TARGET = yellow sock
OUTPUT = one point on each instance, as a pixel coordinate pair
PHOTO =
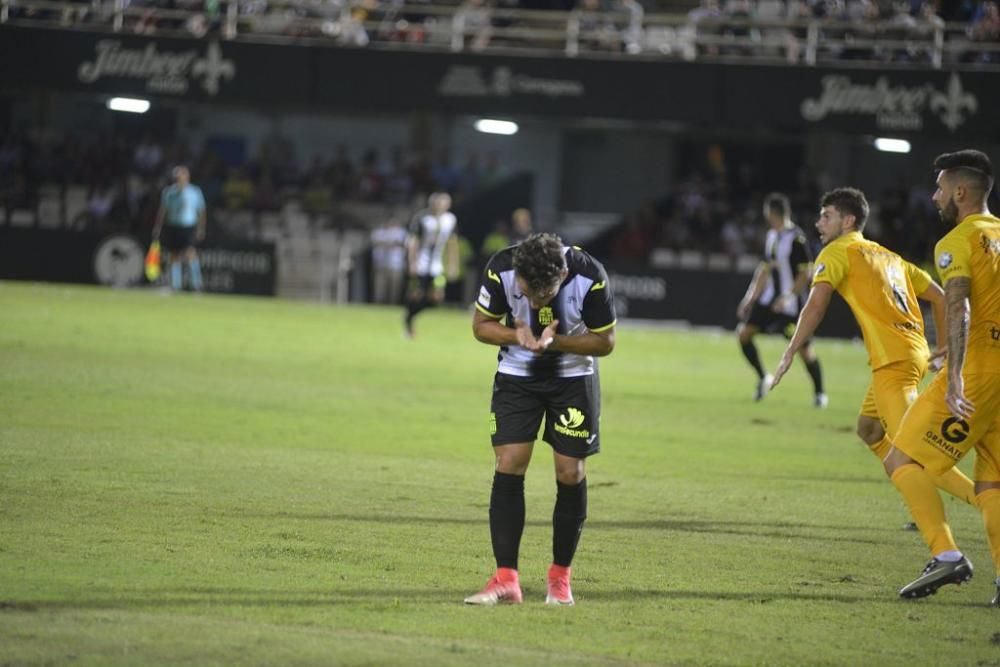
(989, 504)
(881, 448)
(957, 484)
(925, 506)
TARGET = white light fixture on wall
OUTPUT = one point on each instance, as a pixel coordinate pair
(128, 104)
(887, 145)
(493, 126)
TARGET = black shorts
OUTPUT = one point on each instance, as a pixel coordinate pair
(177, 237)
(571, 408)
(768, 321)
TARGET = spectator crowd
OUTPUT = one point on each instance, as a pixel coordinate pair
(849, 29)
(122, 176)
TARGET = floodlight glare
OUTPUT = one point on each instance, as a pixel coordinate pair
(129, 104)
(892, 145)
(492, 126)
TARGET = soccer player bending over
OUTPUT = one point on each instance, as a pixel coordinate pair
(960, 409)
(882, 290)
(549, 309)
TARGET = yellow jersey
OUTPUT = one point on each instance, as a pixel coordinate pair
(972, 250)
(881, 288)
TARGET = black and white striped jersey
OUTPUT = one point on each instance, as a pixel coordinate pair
(584, 303)
(431, 233)
(786, 252)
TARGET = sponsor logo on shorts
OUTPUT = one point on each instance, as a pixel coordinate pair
(569, 422)
(955, 430)
(944, 260)
(545, 316)
(493, 423)
(936, 441)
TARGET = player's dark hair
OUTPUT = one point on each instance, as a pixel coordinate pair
(848, 201)
(539, 260)
(777, 204)
(970, 165)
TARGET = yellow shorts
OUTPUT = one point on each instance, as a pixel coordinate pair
(938, 440)
(892, 389)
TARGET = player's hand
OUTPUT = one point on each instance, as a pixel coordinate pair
(936, 360)
(955, 398)
(783, 366)
(525, 338)
(780, 304)
(547, 337)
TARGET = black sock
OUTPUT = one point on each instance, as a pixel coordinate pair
(412, 308)
(750, 352)
(506, 517)
(816, 373)
(567, 520)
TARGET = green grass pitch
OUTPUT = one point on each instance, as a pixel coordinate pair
(224, 481)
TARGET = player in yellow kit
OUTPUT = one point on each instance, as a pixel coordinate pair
(882, 290)
(960, 409)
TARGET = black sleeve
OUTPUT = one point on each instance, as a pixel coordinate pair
(492, 298)
(416, 230)
(599, 304)
(801, 253)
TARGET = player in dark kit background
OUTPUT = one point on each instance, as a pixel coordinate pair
(774, 297)
(550, 309)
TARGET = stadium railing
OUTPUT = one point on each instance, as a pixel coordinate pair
(611, 34)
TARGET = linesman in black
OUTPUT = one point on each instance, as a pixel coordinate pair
(774, 297)
(549, 309)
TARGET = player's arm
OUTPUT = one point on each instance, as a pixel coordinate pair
(202, 218)
(161, 215)
(488, 329)
(934, 295)
(956, 298)
(451, 247)
(411, 254)
(593, 343)
(758, 283)
(812, 314)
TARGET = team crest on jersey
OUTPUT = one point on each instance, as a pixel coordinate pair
(944, 260)
(545, 316)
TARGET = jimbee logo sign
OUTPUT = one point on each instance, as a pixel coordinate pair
(170, 72)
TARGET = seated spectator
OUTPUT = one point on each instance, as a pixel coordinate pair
(317, 200)
(265, 198)
(237, 190)
(101, 201)
(985, 30)
(595, 29)
(370, 179)
(705, 20)
(148, 156)
(472, 26)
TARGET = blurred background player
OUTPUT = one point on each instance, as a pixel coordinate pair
(431, 234)
(960, 409)
(882, 290)
(181, 219)
(388, 260)
(550, 309)
(774, 297)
